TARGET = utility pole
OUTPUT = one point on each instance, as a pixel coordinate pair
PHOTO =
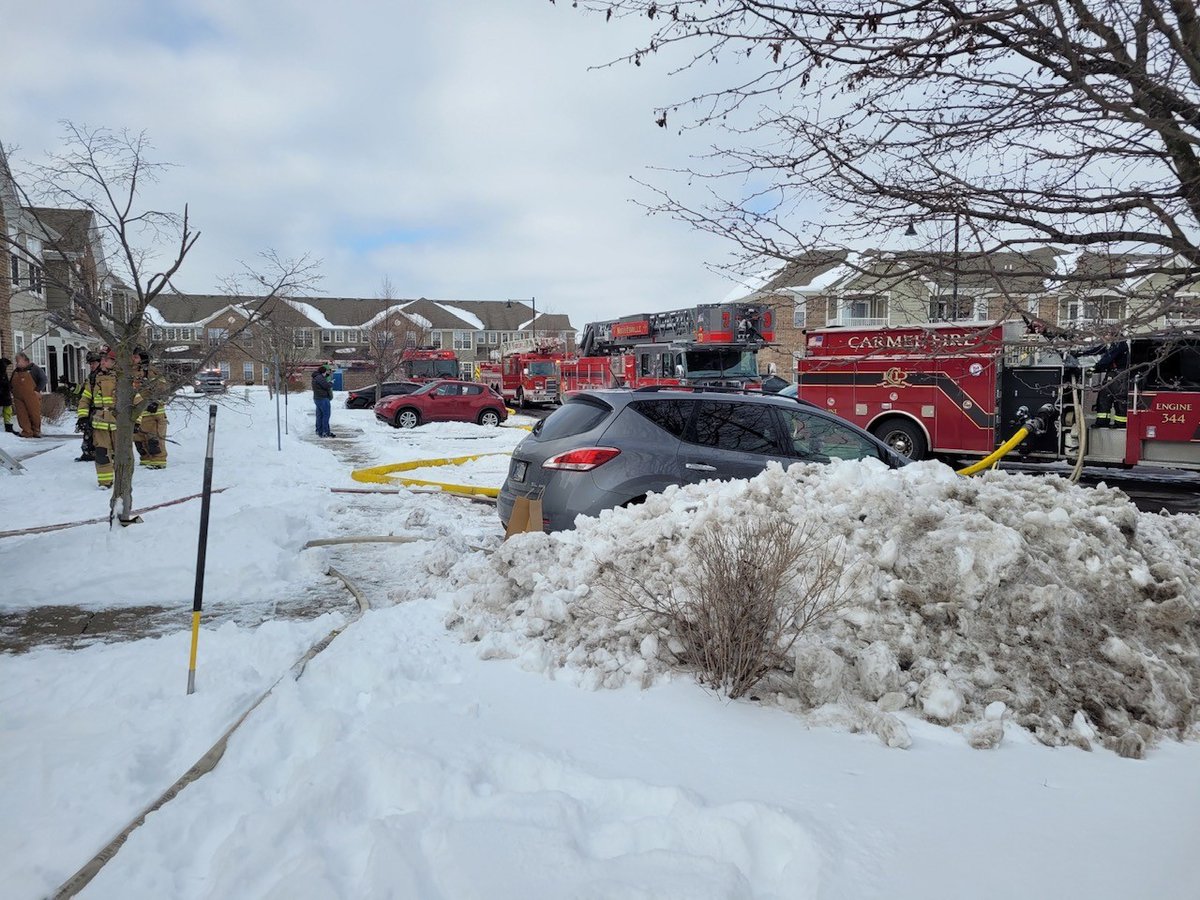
(954, 289)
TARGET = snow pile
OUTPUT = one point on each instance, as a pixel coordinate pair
(1010, 597)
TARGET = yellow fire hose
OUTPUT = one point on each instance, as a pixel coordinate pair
(996, 455)
(383, 475)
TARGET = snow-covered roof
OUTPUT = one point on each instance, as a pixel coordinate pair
(314, 315)
(752, 284)
(470, 318)
(416, 317)
(395, 309)
(828, 279)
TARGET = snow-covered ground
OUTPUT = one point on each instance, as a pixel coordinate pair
(405, 764)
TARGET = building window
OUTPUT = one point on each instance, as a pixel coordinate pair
(266, 370)
(35, 279)
(19, 341)
(217, 336)
(326, 336)
(248, 372)
(1093, 311)
(225, 370)
(462, 340)
(15, 268)
(157, 335)
(339, 337)
(864, 310)
(947, 309)
(480, 338)
(352, 336)
(800, 314)
(302, 337)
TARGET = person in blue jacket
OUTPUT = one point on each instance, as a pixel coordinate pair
(322, 396)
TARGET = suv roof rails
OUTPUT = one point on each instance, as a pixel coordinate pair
(697, 388)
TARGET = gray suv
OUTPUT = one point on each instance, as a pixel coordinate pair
(604, 449)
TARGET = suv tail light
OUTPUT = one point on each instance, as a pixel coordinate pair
(583, 460)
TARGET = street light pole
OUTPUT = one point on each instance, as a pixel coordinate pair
(954, 289)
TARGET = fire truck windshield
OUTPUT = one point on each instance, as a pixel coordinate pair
(433, 368)
(544, 367)
(715, 363)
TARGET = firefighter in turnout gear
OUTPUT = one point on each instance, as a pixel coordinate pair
(150, 435)
(1112, 402)
(98, 403)
(84, 424)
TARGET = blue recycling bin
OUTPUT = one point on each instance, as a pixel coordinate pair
(337, 379)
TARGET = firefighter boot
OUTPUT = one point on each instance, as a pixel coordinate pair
(103, 460)
(154, 435)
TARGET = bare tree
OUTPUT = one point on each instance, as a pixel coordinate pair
(1074, 123)
(104, 172)
(272, 342)
(383, 346)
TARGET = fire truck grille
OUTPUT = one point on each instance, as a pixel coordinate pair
(551, 385)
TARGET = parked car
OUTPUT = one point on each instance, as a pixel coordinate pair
(604, 449)
(365, 397)
(210, 381)
(443, 401)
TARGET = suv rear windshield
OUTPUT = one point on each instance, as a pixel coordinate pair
(577, 415)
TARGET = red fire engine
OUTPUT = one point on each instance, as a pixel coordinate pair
(961, 391)
(713, 344)
(428, 364)
(527, 371)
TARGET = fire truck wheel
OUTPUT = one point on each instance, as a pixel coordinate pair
(521, 399)
(902, 436)
(407, 418)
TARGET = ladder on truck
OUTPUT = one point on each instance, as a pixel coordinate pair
(683, 326)
(531, 345)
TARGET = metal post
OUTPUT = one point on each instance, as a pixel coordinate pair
(202, 548)
(955, 286)
(535, 322)
(275, 374)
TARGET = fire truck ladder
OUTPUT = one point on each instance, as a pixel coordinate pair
(531, 345)
(676, 325)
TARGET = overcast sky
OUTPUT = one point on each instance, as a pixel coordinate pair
(463, 149)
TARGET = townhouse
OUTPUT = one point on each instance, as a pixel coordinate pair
(244, 339)
(48, 251)
(1079, 291)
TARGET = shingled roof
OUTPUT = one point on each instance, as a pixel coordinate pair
(355, 312)
(840, 271)
(68, 229)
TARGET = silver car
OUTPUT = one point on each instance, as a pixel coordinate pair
(604, 449)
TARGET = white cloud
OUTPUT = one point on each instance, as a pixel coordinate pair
(463, 149)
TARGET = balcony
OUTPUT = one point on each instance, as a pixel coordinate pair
(854, 321)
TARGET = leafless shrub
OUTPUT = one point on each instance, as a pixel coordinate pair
(753, 589)
(53, 406)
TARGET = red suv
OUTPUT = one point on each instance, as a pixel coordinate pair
(443, 401)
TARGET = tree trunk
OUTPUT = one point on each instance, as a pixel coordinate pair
(121, 504)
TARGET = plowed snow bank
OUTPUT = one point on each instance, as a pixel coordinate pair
(1062, 608)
